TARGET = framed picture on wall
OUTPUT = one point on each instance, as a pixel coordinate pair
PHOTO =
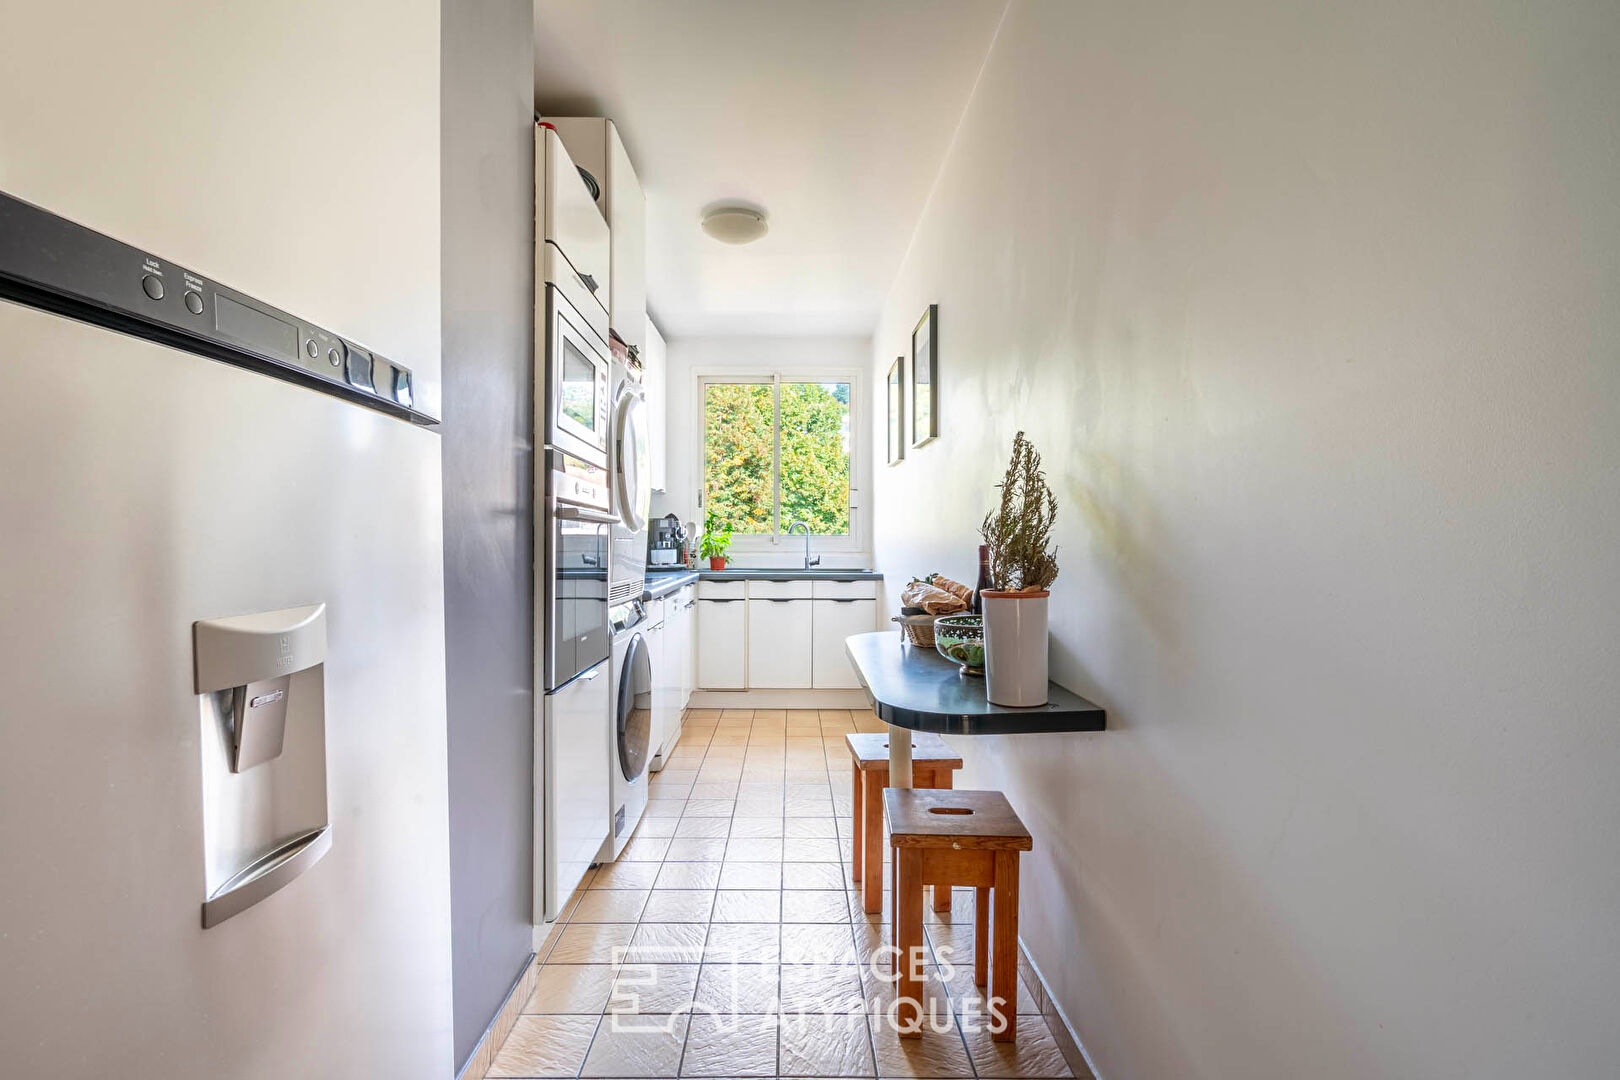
(897, 411)
(924, 378)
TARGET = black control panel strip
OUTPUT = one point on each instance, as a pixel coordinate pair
(53, 264)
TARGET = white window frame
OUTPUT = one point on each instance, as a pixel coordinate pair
(779, 543)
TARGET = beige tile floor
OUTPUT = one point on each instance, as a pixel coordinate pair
(729, 941)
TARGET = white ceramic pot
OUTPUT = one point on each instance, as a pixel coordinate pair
(1015, 647)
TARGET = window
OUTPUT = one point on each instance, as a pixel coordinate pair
(777, 450)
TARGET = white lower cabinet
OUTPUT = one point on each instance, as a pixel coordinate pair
(773, 634)
(652, 632)
(722, 636)
(683, 640)
(672, 673)
(832, 622)
(778, 643)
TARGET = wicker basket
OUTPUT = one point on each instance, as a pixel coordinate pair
(917, 629)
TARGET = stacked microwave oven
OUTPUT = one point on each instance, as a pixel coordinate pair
(574, 490)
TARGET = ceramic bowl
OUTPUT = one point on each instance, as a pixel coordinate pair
(960, 639)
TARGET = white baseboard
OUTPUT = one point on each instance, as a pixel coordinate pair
(778, 699)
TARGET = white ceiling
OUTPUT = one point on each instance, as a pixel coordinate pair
(832, 115)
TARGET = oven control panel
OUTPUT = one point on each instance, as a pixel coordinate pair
(577, 482)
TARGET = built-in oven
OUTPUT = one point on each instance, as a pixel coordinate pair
(573, 739)
(576, 633)
(578, 389)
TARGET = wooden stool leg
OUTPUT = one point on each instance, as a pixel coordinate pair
(857, 836)
(1004, 952)
(981, 935)
(908, 930)
(926, 777)
(895, 909)
(872, 838)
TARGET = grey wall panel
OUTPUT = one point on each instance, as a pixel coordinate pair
(488, 302)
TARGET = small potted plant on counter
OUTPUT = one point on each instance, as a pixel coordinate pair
(1023, 565)
(715, 543)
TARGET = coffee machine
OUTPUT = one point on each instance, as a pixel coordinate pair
(666, 543)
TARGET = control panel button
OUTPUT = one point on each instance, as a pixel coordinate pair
(153, 286)
(194, 303)
(358, 371)
(312, 350)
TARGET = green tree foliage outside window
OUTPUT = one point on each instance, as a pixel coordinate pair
(739, 456)
(738, 452)
(815, 456)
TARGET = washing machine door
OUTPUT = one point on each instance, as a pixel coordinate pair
(633, 467)
(634, 709)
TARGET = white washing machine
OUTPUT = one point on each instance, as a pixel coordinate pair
(631, 692)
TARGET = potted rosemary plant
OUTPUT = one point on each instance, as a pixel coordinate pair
(715, 543)
(1023, 565)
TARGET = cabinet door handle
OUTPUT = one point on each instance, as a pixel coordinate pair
(723, 600)
(842, 599)
(778, 599)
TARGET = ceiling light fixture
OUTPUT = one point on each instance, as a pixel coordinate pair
(735, 224)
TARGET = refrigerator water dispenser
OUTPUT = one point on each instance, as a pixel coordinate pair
(261, 682)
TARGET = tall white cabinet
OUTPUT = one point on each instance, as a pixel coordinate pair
(594, 144)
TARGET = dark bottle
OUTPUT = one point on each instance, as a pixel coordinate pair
(983, 583)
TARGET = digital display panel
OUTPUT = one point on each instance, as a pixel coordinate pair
(266, 333)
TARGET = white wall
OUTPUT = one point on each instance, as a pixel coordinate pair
(1312, 312)
(690, 357)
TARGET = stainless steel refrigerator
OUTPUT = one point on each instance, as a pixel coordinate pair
(222, 724)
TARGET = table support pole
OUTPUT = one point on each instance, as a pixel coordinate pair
(899, 757)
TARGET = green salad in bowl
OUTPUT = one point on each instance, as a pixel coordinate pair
(960, 639)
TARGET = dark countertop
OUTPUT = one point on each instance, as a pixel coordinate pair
(792, 574)
(663, 582)
(921, 690)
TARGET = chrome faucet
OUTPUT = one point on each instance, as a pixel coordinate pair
(809, 560)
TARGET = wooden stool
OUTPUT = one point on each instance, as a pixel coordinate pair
(932, 766)
(945, 838)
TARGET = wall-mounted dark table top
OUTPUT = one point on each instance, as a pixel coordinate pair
(920, 690)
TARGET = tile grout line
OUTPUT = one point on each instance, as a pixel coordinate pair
(756, 756)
